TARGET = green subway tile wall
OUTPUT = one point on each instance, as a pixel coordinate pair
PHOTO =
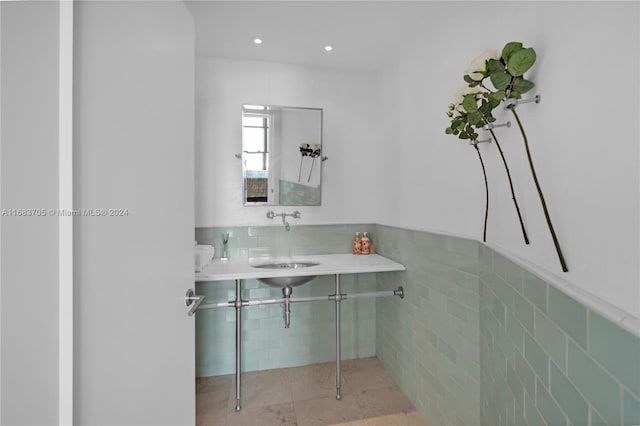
(575, 367)
(429, 341)
(478, 340)
(294, 193)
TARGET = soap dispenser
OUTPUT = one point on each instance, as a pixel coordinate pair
(356, 243)
(365, 244)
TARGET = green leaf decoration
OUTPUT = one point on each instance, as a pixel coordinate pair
(469, 103)
(497, 96)
(500, 80)
(475, 119)
(448, 131)
(495, 65)
(486, 109)
(515, 94)
(509, 49)
(521, 61)
(468, 79)
(521, 85)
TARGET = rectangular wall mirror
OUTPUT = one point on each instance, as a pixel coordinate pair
(281, 155)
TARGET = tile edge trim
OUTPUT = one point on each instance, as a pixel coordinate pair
(614, 314)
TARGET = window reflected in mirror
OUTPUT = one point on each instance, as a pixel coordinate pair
(255, 159)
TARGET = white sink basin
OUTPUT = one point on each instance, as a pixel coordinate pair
(289, 280)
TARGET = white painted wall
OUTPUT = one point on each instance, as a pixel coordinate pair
(133, 128)
(583, 135)
(390, 161)
(29, 155)
(223, 85)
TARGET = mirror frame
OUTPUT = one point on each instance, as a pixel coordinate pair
(321, 158)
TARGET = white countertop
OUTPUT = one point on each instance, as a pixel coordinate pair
(330, 264)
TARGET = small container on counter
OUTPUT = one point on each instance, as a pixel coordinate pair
(357, 244)
(365, 244)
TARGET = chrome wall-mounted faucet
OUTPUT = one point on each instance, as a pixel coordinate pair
(296, 215)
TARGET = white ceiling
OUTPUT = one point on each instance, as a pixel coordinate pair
(364, 33)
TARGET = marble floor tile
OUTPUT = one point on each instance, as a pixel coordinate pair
(362, 422)
(259, 388)
(327, 411)
(366, 373)
(383, 401)
(305, 396)
(265, 415)
(312, 381)
(369, 362)
(211, 419)
(211, 408)
(403, 419)
(213, 384)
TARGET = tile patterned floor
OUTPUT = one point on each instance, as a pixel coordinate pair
(305, 396)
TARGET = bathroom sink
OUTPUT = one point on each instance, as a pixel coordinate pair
(290, 280)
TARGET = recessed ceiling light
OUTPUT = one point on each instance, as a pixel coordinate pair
(328, 48)
(257, 40)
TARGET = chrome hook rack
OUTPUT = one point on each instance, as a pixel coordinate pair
(476, 142)
(490, 126)
(512, 103)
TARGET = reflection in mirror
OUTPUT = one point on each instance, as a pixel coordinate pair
(281, 155)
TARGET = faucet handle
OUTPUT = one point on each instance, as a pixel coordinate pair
(296, 214)
(271, 214)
